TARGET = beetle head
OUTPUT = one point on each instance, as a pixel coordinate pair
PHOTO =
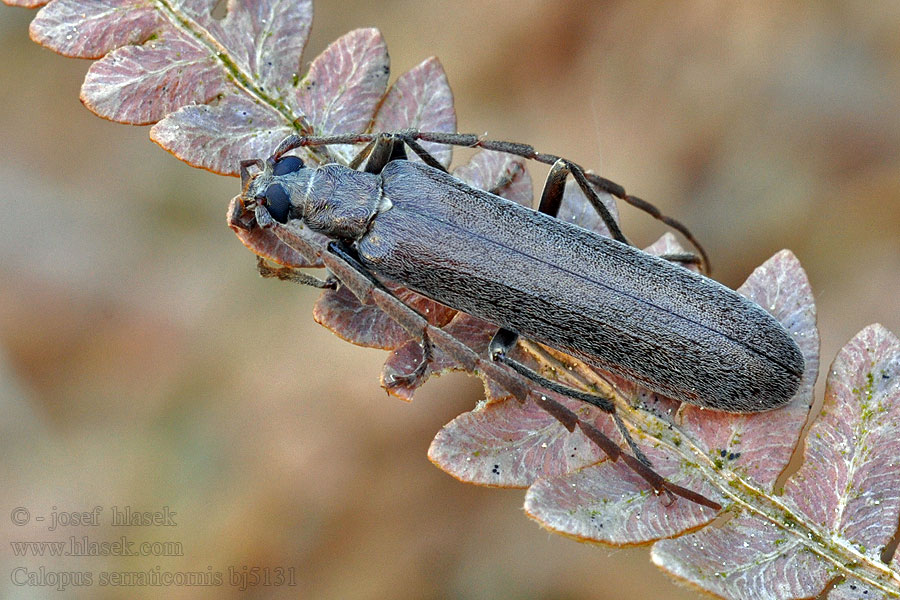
(267, 192)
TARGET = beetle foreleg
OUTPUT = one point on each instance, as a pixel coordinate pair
(245, 171)
(292, 275)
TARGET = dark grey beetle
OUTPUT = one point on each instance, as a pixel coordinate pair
(641, 317)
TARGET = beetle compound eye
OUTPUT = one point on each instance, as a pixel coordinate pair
(278, 202)
(288, 164)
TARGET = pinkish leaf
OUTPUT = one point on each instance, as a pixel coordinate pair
(840, 508)
(142, 84)
(91, 28)
(224, 90)
(762, 443)
(505, 173)
(26, 3)
(609, 503)
(218, 136)
(366, 325)
(510, 444)
(420, 99)
(345, 84)
(265, 38)
(853, 589)
(167, 60)
(744, 559)
(848, 481)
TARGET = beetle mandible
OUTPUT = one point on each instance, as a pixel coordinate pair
(642, 317)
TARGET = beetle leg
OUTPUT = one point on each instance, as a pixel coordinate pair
(507, 178)
(245, 170)
(387, 147)
(504, 341)
(638, 454)
(391, 378)
(239, 217)
(554, 188)
(552, 197)
(425, 155)
(361, 155)
(683, 258)
(660, 484)
(292, 275)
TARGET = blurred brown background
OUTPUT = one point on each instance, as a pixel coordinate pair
(144, 363)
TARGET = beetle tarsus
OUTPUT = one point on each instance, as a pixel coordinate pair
(293, 275)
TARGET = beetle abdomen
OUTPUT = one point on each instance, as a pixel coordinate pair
(677, 333)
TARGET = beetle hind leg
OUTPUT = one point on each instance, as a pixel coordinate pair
(552, 197)
(504, 340)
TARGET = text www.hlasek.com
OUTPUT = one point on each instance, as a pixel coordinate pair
(84, 546)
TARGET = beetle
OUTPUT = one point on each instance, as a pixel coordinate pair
(599, 299)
